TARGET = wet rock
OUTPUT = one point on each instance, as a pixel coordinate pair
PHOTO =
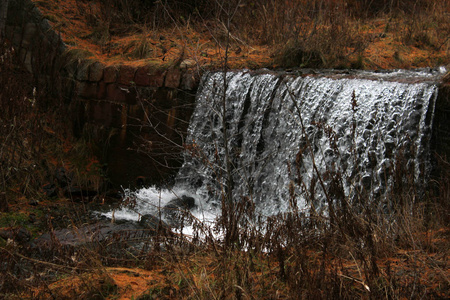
(19, 235)
(389, 145)
(29, 34)
(120, 93)
(183, 202)
(176, 207)
(94, 233)
(189, 80)
(153, 223)
(114, 194)
(104, 113)
(114, 93)
(101, 90)
(142, 76)
(141, 181)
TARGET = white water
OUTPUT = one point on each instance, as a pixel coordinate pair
(264, 117)
(150, 200)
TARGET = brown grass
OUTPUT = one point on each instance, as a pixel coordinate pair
(301, 33)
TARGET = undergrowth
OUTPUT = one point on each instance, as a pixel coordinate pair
(300, 254)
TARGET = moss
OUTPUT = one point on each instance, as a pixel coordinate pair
(22, 219)
(77, 53)
(13, 219)
(51, 18)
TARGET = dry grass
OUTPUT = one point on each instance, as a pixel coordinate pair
(360, 256)
(264, 33)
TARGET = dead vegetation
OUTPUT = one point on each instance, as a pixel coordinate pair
(303, 33)
(344, 251)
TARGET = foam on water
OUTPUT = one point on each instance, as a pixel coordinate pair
(149, 201)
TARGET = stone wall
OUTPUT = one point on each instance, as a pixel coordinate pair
(136, 116)
(140, 114)
(30, 32)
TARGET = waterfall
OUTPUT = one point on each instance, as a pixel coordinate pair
(288, 132)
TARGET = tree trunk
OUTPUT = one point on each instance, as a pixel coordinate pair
(3, 16)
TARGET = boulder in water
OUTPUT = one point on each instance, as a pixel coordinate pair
(184, 202)
(153, 223)
(174, 209)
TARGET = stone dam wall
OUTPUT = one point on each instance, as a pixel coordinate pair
(136, 116)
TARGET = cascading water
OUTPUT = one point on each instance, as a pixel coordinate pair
(285, 131)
